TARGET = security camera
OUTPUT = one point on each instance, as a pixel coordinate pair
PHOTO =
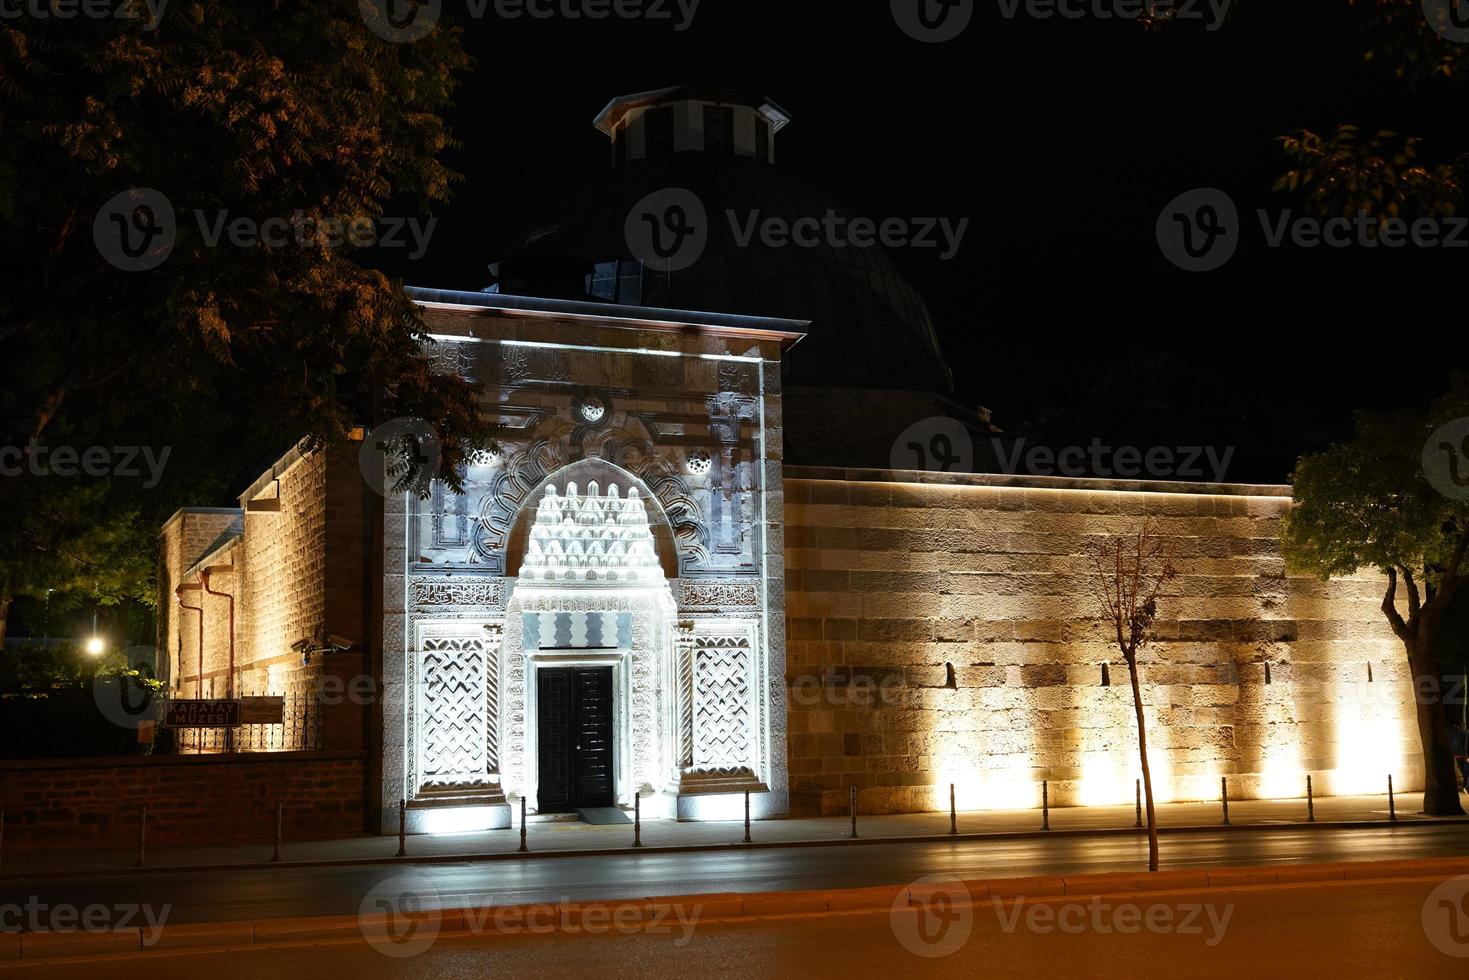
(302, 645)
(338, 643)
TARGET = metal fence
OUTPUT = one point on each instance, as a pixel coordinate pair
(299, 732)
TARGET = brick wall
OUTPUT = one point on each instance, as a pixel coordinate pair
(947, 632)
(199, 799)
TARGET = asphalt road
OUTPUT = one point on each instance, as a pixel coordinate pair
(1357, 929)
(267, 893)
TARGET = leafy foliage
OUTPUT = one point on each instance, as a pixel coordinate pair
(1368, 503)
(284, 110)
(1342, 175)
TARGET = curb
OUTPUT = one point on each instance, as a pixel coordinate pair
(18, 949)
(462, 858)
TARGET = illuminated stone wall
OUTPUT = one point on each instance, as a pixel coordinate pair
(296, 573)
(946, 631)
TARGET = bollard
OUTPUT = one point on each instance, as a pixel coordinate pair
(402, 828)
(637, 820)
(1139, 786)
(1310, 801)
(747, 817)
(1392, 809)
(142, 837)
(852, 805)
(280, 814)
(1224, 797)
(523, 847)
(953, 813)
(1045, 805)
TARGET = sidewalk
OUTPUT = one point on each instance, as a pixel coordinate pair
(566, 838)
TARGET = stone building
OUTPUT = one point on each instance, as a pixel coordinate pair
(685, 574)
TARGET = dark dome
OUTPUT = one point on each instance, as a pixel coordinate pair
(869, 328)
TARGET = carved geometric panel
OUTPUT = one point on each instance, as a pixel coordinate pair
(722, 708)
(459, 700)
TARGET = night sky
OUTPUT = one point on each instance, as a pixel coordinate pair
(1061, 141)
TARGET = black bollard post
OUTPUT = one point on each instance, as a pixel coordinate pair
(1138, 783)
(1392, 809)
(1310, 801)
(1224, 797)
(852, 805)
(142, 836)
(953, 812)
(523, 847)
(402, 828)
(1045, 805)
(637, 820)
(280, 816)
(747, 817)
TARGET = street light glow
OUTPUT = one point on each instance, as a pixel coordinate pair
(95, 646)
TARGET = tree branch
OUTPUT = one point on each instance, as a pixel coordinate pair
(1390, 606)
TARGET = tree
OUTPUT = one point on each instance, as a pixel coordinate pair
(1129, 574)
(287, 117)
(1341, 174)
(1396, 498)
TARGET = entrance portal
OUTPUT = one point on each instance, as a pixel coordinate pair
(574, 716)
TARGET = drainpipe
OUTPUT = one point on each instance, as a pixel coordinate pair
(179, 592)
(230, 684)
(199, 677)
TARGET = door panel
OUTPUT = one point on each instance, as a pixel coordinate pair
(574, 736)
(553, 727)
(593, 737)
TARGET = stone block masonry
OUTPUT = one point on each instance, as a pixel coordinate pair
(947, 631)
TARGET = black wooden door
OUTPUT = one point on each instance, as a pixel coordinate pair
(574, 725)
(592, 736)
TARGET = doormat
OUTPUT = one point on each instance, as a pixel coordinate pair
(603, 815)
